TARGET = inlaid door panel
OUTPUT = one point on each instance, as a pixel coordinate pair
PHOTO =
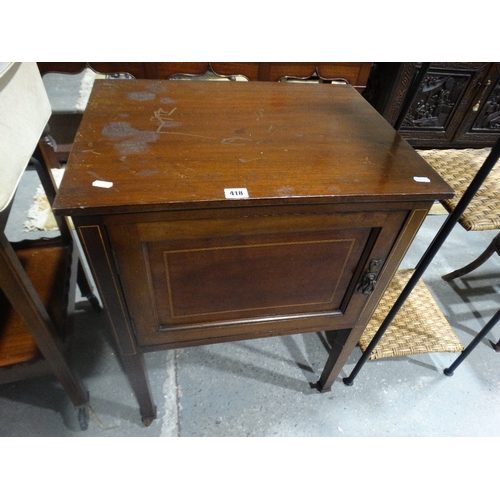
(205, 278)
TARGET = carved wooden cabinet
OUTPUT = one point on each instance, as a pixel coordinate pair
(221, 211)
(457, 105)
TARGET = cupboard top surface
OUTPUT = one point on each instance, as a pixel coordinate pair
(172, 144)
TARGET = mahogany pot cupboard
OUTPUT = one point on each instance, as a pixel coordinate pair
(221, 211)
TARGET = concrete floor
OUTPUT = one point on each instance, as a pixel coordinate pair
(263, 387)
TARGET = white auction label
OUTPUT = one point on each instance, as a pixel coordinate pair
(421, 179)
(102, 184)
(236, 193)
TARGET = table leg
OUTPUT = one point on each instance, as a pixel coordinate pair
(136, 372)
(338, 356)
(94, 243)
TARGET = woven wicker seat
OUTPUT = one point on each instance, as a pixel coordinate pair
(458, 167)
(418, 328)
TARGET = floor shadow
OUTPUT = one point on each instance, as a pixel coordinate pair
(478, 296)
(92, 355)
(33, 395)
(233, 362)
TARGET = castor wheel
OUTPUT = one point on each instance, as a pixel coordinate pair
(83, 417)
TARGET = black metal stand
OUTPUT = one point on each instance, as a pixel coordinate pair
(439, 239)
(480, 336)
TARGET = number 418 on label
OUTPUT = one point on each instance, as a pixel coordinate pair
(236, 193)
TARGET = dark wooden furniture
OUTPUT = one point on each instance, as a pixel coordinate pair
(37, 299)
(240, 210)
(457, 106)
(63, 126)
(354, 73)
(37, 278)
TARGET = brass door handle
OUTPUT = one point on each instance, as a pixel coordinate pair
(369, 279)
(476, 106)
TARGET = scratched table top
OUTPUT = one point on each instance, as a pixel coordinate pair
(152, 145)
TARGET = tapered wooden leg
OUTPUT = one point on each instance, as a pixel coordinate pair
(493, 247)
(495, 346)
(96, 249)
(336, 359)
(136, 372)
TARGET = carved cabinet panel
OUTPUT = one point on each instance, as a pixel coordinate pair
(457, 104)
(481, 124)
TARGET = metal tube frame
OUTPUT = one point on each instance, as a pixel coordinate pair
(480, 336)
(429, 254)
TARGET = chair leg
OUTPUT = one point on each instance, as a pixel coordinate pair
(496, 346)
(493, 247)
(480, 336)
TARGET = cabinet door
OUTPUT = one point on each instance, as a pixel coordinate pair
(196, 281)
(481, 124)
(441, 103)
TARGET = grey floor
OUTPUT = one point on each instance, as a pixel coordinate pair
(263, 387)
